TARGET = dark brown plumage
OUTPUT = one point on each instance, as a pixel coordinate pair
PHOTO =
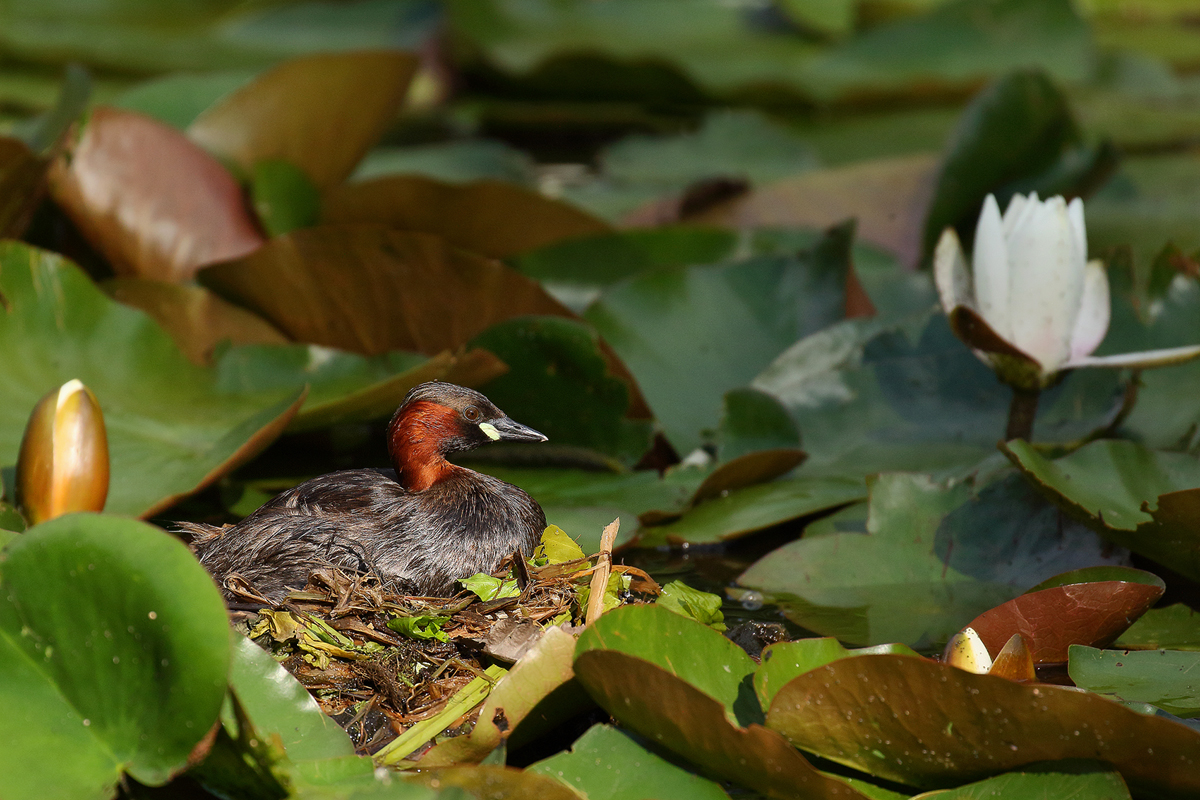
(419, 528)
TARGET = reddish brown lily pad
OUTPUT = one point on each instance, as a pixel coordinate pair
(490, 217)
(889, 198)
(320, 113)
(674, 714)
(369, 289)
(1051, 620)
(932, 725)
(156, 205)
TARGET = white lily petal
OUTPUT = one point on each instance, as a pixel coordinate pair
(989, 263)
(1019, 210)
(1045, 284)
(1016, 204)
(1145, 359)
(950, 272)
(1078, 227)
(1094, 312)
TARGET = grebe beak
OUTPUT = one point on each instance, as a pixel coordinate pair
(508, 430)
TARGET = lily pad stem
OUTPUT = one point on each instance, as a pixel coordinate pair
(1021, 413)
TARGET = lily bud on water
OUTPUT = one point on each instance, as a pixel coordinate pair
(63, 462)
(1031, 304)
(968, 652)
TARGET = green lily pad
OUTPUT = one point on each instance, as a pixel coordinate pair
(197, 319)
(177, 99)
(752, 508)
(875, 398)
(607, 763)
(785, 660)
(279, 704)
(171, 429)
(1079, 780)
(934, 557)
(284, 197)
(583, 502)
(45, 130)
(1138, 498)
(630, 49)
(928, 724)
(559, 378)
(738, 145)
(1165, 678)
(485, 781)
(953, 46)
(690, 335)
(687, 688)
(218, 35)
(577, 270)
(452, 162)
(1176, 627)
(754, 420)
(116, 648)
(320, 113)
(342, 387)
(691, 651)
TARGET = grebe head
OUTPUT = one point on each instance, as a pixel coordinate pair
(437, 419)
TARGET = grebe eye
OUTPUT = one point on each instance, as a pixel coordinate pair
(471, 413)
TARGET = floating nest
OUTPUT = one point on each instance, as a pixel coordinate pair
(380, 663)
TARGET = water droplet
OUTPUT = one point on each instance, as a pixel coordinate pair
(752, 600)
(153, 615)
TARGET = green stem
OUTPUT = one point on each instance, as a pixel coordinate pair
(1021, 414)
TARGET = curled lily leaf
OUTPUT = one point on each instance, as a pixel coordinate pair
(63, 461)
(1031, 304)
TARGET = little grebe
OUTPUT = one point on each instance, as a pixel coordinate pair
(418, 528)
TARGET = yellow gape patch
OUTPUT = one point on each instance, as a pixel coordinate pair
(490, 429)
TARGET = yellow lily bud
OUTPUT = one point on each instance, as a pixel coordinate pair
(967, 651)
(63, 463)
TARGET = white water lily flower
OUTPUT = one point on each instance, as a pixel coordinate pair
(1031, 303)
